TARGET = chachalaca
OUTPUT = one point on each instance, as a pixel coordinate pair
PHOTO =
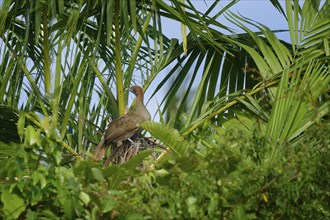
(125, 126)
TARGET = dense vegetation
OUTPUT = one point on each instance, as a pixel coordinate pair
(235, 179)
(250, 141)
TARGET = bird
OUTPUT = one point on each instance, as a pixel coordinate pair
(124, 127)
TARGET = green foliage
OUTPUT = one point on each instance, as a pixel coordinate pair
(237, 178)
(13, 205)
(252, 139)
(294, 100)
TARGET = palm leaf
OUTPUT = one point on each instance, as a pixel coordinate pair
(169, 136)
(294, 99)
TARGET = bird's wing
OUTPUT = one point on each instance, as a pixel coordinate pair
(122, 128)
(119, 129)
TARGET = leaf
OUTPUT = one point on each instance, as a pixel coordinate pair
(294, 101)
(84, 197)
(161, 172)
(67, 201)
(109, 206)
(36, 195)
(21, 126)
(13, 205)
(38, 177)
(239, 213)
(84, 168)
(31, 136)
(97, 174)
(49, 214)
(169, 136)
(68, 205)
(31, 215)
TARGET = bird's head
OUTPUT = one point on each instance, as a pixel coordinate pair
(136, 90)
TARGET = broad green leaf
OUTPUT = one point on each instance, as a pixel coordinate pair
(13, 205)
(97, 174)
(30, 136)
(109, 206)
(84, 197)
(68, 206)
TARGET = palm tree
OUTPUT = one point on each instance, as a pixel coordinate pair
(58, 58)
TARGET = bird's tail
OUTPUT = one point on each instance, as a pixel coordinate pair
(100, 150)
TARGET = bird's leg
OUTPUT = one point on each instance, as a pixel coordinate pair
(132, 141)
(130, 151)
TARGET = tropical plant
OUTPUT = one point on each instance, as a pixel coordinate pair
(247, 138)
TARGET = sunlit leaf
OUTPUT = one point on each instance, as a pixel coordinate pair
(13, 205)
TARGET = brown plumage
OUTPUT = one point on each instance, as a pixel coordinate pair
(125, 126)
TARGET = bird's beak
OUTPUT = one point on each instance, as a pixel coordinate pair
(131, 90)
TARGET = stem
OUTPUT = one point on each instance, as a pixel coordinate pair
(46, 50)
(119, 72)
(58, 86)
